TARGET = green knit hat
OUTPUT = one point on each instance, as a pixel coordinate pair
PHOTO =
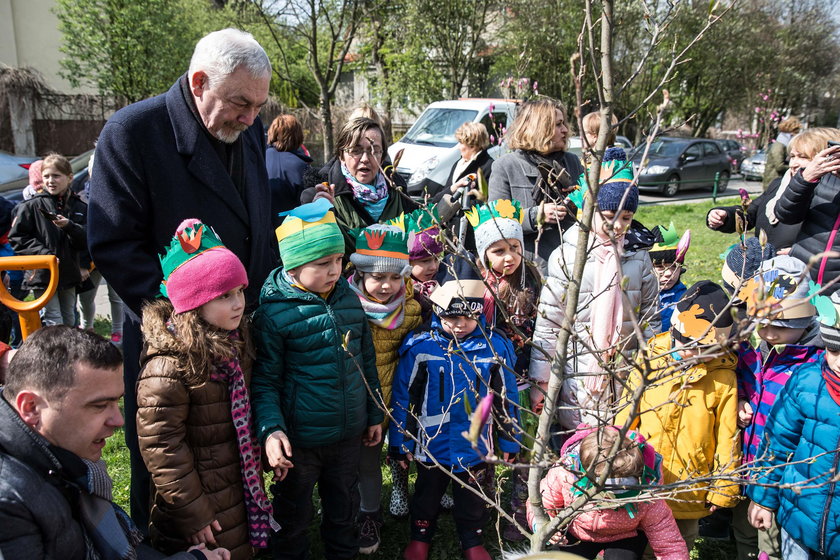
(381, 248)
(309, 233)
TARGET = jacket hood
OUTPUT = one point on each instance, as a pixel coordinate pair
(663, 342)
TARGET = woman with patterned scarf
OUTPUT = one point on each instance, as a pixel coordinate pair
(194, 417)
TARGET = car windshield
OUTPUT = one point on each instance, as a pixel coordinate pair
(666, 148)
(436, 127)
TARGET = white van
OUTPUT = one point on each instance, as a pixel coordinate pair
(430, 145)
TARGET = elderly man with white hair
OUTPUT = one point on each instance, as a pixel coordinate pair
(197, 150)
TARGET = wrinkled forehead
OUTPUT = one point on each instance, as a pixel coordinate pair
(244, 84)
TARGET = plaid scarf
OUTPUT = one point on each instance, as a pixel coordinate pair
(260, 513)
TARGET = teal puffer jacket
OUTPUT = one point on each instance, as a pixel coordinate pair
(304, 382)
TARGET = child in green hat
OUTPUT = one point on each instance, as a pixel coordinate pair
(315, 386)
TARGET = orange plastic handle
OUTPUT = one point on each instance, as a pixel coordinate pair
(30, 320)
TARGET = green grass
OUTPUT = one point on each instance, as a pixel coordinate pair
(703, 262)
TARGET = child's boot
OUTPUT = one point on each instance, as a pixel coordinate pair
(399, 490)
(477, 553)
(416, 550)
(370, 524)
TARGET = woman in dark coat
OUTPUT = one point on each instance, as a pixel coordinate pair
(362, 192)
(286, 163)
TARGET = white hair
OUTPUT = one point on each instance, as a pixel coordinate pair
(220, 53)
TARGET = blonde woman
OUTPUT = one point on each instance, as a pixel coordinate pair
(538, 172)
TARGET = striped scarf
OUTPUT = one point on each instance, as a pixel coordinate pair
(260, 514)
(832, 381)
(388, 315)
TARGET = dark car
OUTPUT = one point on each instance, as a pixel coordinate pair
(735, 151)
(673, 164)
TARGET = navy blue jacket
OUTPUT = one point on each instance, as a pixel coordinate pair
(285, 179)
(155, 166)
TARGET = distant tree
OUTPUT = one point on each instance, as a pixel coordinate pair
(129, 49)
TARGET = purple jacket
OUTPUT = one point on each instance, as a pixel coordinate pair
(761, 377)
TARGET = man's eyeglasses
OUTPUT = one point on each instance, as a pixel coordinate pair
(357, 152)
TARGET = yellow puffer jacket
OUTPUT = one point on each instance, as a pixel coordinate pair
(690, 417)
(387, 343)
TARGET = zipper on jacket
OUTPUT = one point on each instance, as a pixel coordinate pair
(830, 498)
(440, 385)
(341, 360)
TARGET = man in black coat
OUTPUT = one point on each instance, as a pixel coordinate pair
(61, 402)
(197, 151)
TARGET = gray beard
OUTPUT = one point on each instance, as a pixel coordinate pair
(227, 136)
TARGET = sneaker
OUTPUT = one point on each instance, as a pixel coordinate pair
(370, 523)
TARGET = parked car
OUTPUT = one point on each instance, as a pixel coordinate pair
(14, 167)
(673, 164)
(430, 148)
(752, 168)
(736, 152)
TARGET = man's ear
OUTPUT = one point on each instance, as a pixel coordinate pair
(29, 406)
(199, 82)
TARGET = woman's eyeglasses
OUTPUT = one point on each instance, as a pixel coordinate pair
(357, 152)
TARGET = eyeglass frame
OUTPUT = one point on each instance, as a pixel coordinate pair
(372, 152)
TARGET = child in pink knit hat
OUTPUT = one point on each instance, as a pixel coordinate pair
(194, 411)
(617, 519)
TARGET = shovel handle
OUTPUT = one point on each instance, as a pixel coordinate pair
(30, 320)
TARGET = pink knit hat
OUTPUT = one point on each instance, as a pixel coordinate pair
(198, 268)
(35, 172)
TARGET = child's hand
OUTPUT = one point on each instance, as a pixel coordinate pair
(205, 535)
(404, 463)
(538, 397)
(61, 221)
(278, 449)
(372, 435)
(745, 414)
(759, 517)
(215, 554)
(508, 457)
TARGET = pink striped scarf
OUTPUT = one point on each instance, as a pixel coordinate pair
(607, 311)
(260, 513)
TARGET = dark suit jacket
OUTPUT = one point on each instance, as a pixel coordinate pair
(482, 160)
(155, 167)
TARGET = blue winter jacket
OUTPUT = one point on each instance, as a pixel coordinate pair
(800, 453)
(668, 300)
(434, 376)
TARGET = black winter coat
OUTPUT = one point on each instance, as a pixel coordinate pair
(482, 160)
(816, 206)
(155, 166)
(780, 235)
(33, 233)
(285, 179)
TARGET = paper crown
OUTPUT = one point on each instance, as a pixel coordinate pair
(192, 239)
(381, 248)
(671, 248)
(421, 219)
(461, 292)
(779, 292)
(309, 233)
(423, 227)
(828, 309)
(702, 315)
(495, 209)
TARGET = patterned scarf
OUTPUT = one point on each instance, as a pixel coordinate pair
(832, 381)
(260, 514)
(388, 315)
(607, 310)
(372, 197)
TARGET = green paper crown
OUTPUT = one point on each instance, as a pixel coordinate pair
(503, 209)
(611, 170)
(421, 219)
(828, 312)
(382, 241)
(190, 241)
(670, 239)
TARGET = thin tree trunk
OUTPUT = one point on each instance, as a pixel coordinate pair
(22, 120)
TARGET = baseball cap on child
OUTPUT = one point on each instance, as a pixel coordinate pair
(743, 261)
(494, 221)
(198, 268)
(423, 229)
(830, 321)
(381, 248)
(701, 315)
(779, 294)
(618, 174)
(309, 233)
(461, 292)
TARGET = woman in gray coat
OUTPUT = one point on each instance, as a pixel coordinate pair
(538, 173)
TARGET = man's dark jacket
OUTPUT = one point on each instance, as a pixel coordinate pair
(155, 166)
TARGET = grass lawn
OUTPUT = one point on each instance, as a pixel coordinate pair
(703, 262)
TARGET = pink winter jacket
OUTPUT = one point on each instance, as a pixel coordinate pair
(653, 516)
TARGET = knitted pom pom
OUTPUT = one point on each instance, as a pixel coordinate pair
(614, 153)
(189, 222)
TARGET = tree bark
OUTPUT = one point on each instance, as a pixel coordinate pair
(22, 115)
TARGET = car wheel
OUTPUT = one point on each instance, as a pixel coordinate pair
(672, 187)
(723, 181)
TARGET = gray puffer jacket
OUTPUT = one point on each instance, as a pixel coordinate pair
(577, 404)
